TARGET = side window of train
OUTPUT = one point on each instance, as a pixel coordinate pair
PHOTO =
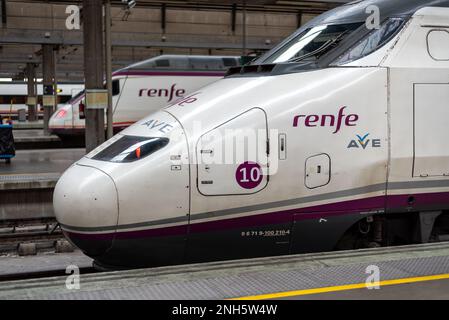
(230, 62)
(179, 63)
(438, 44)
(162, 63)
(205, 64)
(13, 99)
(115, 87)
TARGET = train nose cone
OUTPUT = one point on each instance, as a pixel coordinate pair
(86, 206)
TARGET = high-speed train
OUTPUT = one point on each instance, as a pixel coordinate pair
(145, 87)
(13, 96)
(335, 139)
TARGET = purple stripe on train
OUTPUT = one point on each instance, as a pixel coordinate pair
(278, 217)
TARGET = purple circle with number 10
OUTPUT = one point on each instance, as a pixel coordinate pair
(249, 175)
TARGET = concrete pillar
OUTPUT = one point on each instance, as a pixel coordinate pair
(32, 91)
(93, 72)
(48, 66)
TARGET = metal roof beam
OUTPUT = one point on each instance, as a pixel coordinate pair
(59, 37)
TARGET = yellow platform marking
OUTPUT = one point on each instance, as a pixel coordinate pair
(343, 287)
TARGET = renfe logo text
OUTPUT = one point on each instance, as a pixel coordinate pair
(168, 93)
(327, 120)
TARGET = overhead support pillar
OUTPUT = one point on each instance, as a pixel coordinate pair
(299, 19)
(4, 14)
(32, 91)
(96, 96)
(163, 17)
(244, 29)
(49, 70)
(108, 54)
(233, 17)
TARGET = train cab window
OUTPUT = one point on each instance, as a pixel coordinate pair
(311, 44)
(130, 149)
(64, 99)
(115, 87)
(375, 40)
(438, 44)
(76, 97)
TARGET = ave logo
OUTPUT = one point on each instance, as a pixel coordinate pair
(157, 124)
(364, 142)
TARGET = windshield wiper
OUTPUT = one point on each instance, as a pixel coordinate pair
(326, 45)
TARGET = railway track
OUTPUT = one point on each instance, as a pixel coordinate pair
(28, 236)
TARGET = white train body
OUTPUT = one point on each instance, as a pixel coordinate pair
(13, 96)
(145, 87)
(355, 152)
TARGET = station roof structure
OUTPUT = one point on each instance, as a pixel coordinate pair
(148, 29)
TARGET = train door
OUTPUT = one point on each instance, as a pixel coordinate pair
(431, 127)
(431, 122)
(118, 86)
(419, 173)
(74, 108)
(232, 156)
(232, 174)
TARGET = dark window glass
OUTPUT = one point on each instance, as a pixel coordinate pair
(376, 39)
(8, 99)
(131, 148)
(64, 99)
(163, 63)
(312, 43)
(197, 63)
(76, 97)
(229, 62)
(115, 87)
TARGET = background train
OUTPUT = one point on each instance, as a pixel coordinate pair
(145, 87)
(351, 127)
(13, 96)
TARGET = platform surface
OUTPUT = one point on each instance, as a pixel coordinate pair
(19, 125)
(264, 278)
(37, 168)
(425, 290)
(33, 135)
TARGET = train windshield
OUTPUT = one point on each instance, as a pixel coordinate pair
(312, 43)
(130, 149)
(373, 41)
(76, 97)
(341, 43)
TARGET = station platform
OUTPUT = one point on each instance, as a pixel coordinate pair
(410, 272)
(18, 265)
(26, 125)
(35, 138)
(27, 183)
(29, 162)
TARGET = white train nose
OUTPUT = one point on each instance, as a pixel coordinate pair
(86, 206)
